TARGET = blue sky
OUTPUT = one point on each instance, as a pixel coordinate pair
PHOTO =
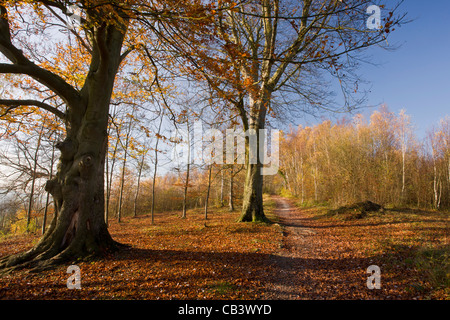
(416, 76)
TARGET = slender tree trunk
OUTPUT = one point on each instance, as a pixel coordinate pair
(122, 180)
(109, 173)
(438, 204)
(47, 201)
(122, 183)
(435, 183)
(222, 186)
(295, 170)
(33, 178)
(231, 200)
(315, 171)
(207, 193)
(153, 192)
(156, 167)
(448, 185)
(403, 174)
(107, 191)
(141, 165)
(185, 191)
(186, 184)
(302, 178)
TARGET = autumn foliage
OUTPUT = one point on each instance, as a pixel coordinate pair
(88, 114)
(313, 256)
(358, 159)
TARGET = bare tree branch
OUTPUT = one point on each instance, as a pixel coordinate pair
(22, 65)
(13, 104)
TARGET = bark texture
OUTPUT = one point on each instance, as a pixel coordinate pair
(252, 205)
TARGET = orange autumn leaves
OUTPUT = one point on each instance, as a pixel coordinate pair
(173, 259)
(182, 259)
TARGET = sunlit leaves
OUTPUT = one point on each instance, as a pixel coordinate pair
(377, 159)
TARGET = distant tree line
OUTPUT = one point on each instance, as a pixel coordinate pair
(378, 159)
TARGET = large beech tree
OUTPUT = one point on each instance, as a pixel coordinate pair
(108, 32)
(78, 227)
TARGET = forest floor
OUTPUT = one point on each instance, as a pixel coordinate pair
(326, 256)
(306, 254)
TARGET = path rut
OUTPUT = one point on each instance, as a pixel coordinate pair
(297, 246)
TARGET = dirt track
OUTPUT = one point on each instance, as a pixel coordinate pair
(298, 242)
(313, 263)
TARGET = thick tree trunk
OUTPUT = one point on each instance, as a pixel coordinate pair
(78, 228)
(252, 205)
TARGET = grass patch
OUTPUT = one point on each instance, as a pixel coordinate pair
(435, 264)
(431, 263)
(410, 245)
(269, 207)
(222, 288)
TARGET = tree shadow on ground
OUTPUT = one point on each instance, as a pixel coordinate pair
(282, 277)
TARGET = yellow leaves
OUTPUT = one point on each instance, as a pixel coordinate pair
(20, 225)
(28, 120)
(70, 63)
(248, 82)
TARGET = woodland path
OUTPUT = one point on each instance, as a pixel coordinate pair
(297, 243)
(313, 262)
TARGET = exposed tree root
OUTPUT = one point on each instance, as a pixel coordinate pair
(45, 256)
